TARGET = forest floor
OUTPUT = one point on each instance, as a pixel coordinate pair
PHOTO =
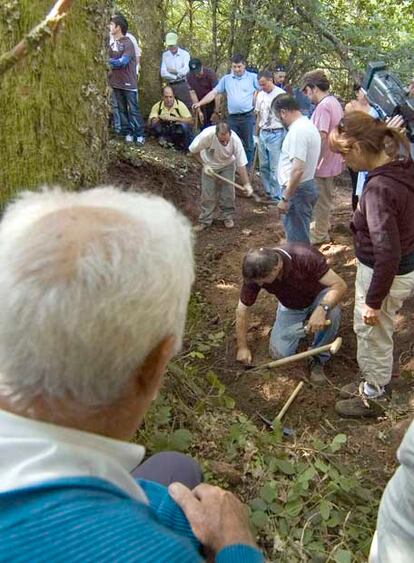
(370, 444)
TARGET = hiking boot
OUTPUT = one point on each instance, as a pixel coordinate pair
(229, 223)
(317, 373)
(361, 406)
(162, 141)
(129, 139)
(200, 227)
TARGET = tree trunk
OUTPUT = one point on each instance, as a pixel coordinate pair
(148, 16)
(53, 118)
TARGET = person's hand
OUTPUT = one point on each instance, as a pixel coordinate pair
(200, 116)
(256, 139)
(248, 189)
(208, 171)
(244, 356)
(283, 206)
(196, 106)
(317, 320)
(218, 519)
(370, 316)
(396, 122)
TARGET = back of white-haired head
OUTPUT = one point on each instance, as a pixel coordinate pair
(90, 283)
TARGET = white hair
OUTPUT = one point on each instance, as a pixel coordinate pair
(90, 283)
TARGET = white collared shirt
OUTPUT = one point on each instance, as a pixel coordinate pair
(178, 61)
(216, 155)
(34, 452)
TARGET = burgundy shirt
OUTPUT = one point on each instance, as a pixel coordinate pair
(124, 78)
(202, 85)
(303, 267)
(383, 227)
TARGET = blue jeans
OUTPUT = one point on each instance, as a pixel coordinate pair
(270, 145)
(131, 118)
(244, 125)
(286, 333)
(116, 119)
(298, 217)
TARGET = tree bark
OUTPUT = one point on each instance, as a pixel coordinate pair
(148, 17)
(53, 123)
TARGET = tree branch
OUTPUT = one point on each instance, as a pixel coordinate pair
(38, 35)
(319, 26)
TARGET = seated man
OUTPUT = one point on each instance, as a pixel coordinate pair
(93, 308)
(308, 292)
(170, 121)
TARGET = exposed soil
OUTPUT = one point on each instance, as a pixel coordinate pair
(219, 251)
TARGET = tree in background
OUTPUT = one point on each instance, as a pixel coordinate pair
(53, 119)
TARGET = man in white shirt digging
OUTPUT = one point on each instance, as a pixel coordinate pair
(221, 152)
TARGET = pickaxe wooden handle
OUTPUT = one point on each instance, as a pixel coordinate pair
(237, 186)
(332, 348)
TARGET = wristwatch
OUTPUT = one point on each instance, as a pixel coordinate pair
(325, 307)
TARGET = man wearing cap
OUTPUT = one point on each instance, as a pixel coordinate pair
(240, 86)
(201, 80)
(174, 68)
(220, 151)
(308, 292)
(271, 135)
(279, 78)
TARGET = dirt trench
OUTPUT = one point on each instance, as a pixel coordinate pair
(219, 251)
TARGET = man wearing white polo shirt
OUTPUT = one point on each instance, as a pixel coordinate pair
(240, 86)
(297, 166)
(221, 151)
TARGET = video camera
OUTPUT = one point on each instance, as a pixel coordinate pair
(387, 95)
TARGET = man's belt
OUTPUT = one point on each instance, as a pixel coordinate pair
(178, 81)
(240, 114)
(275, 129)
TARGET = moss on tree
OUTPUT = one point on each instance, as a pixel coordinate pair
(53, 118)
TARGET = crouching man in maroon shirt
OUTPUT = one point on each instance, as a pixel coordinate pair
(308, 292)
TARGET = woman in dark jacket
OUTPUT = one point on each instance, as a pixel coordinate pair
(383, 231)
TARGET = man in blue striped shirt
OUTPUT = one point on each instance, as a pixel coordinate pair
(240, 86)
(93, 308)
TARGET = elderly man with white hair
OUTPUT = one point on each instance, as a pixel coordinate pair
(93, 306)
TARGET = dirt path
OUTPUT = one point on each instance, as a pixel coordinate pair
(219, 253)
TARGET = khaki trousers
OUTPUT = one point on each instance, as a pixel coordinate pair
(321, 217)
(375, 343)
(217, 196)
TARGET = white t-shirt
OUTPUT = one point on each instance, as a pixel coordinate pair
(267, 117)
(303, 141)
(216, 155)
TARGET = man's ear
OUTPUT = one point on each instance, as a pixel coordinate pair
(148, 376)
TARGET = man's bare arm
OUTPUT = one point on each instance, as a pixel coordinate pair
(337, 289)
(242, 320)
(296, 174)
(206, 100)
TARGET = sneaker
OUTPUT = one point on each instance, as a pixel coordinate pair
(317, 373)
(129, 139)
(361, 406)
(229, 223)
(200, 227)
(140, 141)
